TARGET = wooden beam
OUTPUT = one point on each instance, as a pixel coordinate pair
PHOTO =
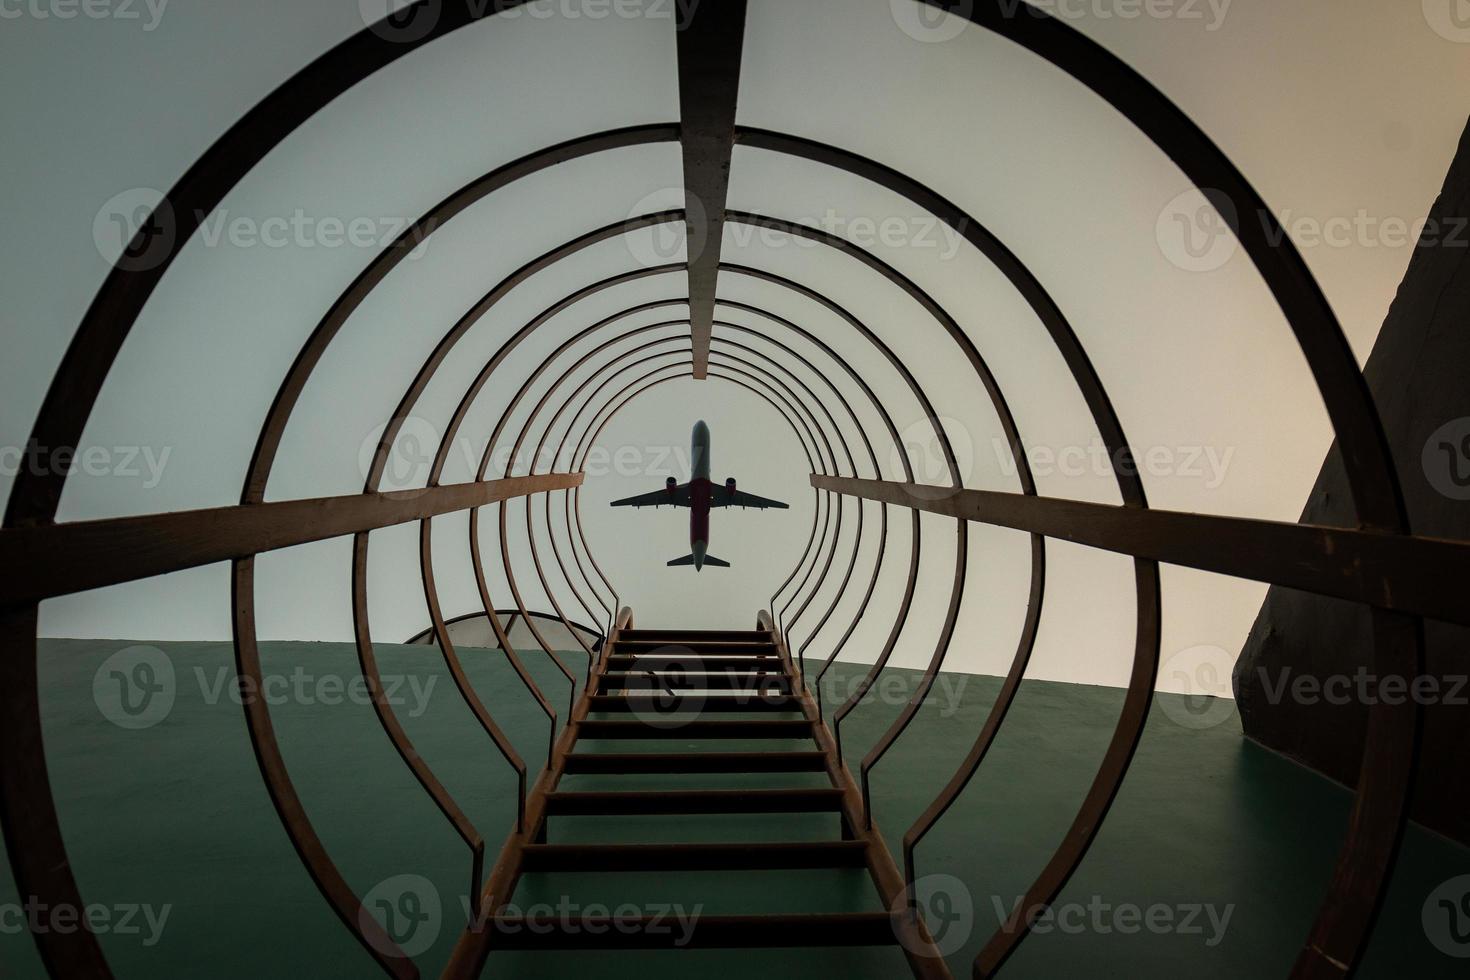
(710, 43)
(59, 559)
(1422, 576)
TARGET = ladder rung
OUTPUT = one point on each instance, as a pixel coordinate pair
(655, 680)
(694, 857)
(703, 932)
(562, 803)
(782, 728)
(719, 646)
(687, 762)
(698, 636)
(622, 663)
(666, 704)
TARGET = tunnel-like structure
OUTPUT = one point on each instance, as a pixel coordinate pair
(1379, 563)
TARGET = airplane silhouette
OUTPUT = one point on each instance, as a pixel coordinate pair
(699, 495)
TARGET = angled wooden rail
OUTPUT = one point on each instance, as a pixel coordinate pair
(1398, 572)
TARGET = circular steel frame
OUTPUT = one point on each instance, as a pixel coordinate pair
(32, 836)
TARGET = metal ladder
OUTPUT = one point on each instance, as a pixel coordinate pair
(641, 678)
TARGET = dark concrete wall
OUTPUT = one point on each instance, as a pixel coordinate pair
(1419, 372)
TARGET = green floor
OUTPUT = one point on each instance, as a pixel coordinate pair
(173, 818)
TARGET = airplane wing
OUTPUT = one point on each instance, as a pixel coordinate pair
(678, 497)
(739, 498)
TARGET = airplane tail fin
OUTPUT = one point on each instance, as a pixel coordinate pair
(708, 560)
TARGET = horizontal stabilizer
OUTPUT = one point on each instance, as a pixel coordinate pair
(708, 560)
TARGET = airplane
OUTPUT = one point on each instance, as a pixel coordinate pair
(699, 495)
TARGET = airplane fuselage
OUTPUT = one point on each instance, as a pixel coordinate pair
(700, 490)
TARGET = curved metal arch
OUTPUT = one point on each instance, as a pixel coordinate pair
(581, 536)
(297, 824)
(836, 534)
(503, 512)
(883, 507)
(451, 433)
(596, 375)
(893, 431)
(566, 302)
(858, 534)
(555, 385)
(578, 337)
(590, 437)
(551, 423)
(848, 248)
(906, 602)
(536, 454)
(899, 451)
(1372, 843)
(567, 498)
(1340, 932)
(838, 530)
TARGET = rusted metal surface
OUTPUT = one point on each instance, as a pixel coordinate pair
(918, 944)
(66, 558)
(468, 957)
(1400, 576)
(1387, 571)
(709, 46)
(840, 592)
